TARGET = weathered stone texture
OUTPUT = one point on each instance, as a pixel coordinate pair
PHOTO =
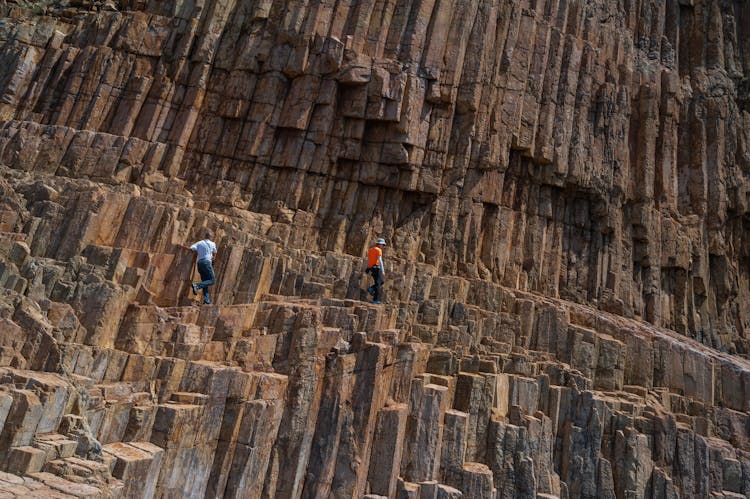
(563, 187)
(579, 145)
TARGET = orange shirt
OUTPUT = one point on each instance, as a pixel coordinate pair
(372, 256)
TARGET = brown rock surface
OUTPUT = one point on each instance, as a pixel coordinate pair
(563, 185)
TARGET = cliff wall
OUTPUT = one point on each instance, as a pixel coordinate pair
(563, 186)
(593, 151)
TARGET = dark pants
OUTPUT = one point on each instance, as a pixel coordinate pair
(206, 270)
(377, 285)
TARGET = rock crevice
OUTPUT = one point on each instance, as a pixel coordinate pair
(563, 186)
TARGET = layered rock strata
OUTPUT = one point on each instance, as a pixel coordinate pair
(563, 185)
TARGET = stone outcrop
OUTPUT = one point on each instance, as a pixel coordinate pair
(563, 186)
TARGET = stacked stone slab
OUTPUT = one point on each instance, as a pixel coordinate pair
(471, 392)
(592, 151)
(562, 185)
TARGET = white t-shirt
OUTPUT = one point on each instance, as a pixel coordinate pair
(205, 249)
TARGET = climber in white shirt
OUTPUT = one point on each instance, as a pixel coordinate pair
(206, 252)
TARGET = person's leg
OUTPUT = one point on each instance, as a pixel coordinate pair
(371, 289)
(208, 282)
(207, 278)
(377, 285)
(202, 272)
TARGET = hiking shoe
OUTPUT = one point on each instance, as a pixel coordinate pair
(371, 290)
(376, 302)
(195, 289)
(207, 302)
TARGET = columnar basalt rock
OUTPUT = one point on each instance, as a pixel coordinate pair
(563, 187)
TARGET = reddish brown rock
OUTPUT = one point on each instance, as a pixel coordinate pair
(562, 186)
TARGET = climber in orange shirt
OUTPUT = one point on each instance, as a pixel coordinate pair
(376, 269)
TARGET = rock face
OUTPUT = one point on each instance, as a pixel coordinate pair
(563, 185)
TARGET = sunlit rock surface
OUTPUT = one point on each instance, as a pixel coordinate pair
(563, 185)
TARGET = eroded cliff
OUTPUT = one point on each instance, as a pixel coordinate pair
(563, 185)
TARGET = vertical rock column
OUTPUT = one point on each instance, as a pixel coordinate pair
(255, 438)
(285, 475)
(633, 466)
(241, 386)
(174, 431)
(137, 465)
(424, 431)
(509, 459)
(453, 450)
(189, 454)
(475, 396)
(385, 459)
(369, 387)
(335, 413)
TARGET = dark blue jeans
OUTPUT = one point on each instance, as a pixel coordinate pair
(377, 285)
(206, 270)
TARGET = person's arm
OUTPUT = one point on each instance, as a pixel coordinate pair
(382, 267)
